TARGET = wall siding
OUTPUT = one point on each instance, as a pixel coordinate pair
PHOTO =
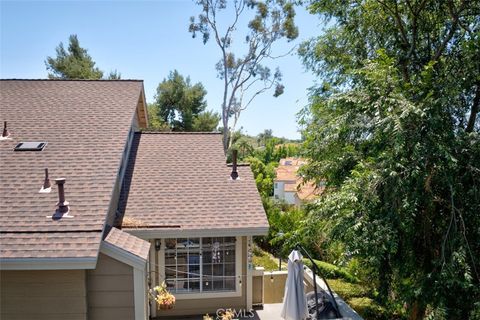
(43, 294)
(110, 290)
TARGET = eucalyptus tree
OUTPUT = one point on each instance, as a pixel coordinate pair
(245, 76)
(394, 129)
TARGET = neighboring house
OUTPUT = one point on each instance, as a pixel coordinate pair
(137, 208)
(290, 187)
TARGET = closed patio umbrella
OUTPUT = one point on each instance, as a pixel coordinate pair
(294, 301)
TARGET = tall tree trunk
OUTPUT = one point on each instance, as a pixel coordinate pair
(226, 131)
(417, 312)
(474, 111)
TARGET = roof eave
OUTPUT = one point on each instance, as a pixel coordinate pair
(48, 263)
(122, 255)
(179, 232)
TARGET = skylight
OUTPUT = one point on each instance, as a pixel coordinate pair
(30, 146)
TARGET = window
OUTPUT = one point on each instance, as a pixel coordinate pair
(200, 264)
(276, 185)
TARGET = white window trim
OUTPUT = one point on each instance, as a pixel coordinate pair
(214, 294)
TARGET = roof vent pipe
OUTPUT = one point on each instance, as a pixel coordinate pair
(5, 132)
(62, 204)
(46, 183)
(234, 173)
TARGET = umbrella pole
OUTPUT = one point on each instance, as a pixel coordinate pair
(314, 265)
(315, 290)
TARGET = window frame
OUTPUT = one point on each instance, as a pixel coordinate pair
(207, 294)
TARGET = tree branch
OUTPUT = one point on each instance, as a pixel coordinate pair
(474, 110)
(451, 32)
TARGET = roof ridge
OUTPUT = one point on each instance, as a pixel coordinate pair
(80, 80)
(178, 132)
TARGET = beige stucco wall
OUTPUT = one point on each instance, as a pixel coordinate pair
(257, 289)
(110, 290)
(210, 305)
(43, 294)
(274, 290)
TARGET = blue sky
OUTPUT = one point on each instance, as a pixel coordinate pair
(146, 40)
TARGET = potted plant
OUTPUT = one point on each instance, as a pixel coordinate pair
(226, 315)
(164, 299)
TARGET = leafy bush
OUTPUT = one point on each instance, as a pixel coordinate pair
(328, 270)
(369, 309)
(263, 259)
(348, 290)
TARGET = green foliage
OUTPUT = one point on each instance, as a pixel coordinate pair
(394, 131)
(348, 290)
(244, 147)
(369, 309)
(206, 121)
(244, 75)
(179, 103)
(75, 63)
(154, 122)
(114, 75)
(264, 175)
(284, 232)
(263, 259)
(331, 271)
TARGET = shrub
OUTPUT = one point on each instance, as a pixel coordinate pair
(348, 290)
(328, 270)
(369, 309)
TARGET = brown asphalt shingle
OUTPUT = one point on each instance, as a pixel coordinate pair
(49, 245)
(86, 124)
(177, 180)
(129, 243)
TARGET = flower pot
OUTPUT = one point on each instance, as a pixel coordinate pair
(165, 306)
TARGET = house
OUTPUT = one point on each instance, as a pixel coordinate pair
(94, 212)
(290, 187)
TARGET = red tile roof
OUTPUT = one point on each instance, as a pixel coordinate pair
(128, 243)
(86, 124)
(181, 181)
(287, 172)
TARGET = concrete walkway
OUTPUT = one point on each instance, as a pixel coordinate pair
(269, 312)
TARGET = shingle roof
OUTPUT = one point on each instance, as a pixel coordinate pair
(128, 243)
(181, 181)
(62, 245)
(86, 124)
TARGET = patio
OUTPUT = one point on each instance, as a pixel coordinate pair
(271, 292)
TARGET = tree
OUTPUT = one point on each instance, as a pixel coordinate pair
(206, 121)
(179, 102)
(114, 75)
(245, 77)
(154, 122)
(264, 136)
(244, 147)
(74, 64)
(394, 131)
(264, 175)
